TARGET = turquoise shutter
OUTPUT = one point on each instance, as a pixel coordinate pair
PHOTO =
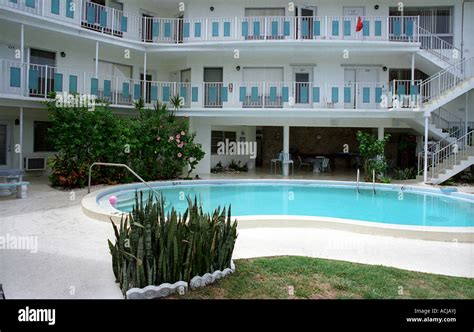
(335, 28)
(213, 94)
(155, 29)
(103, 17)
(107, 88)
(215, 29)
(285, 95)
(347, 28)
(335, 94)
(366, 29)
(226, 29)
(317, 28)
(245, 29)
(243, 94)
(167, 29)
(94, 86)
(347, 94)
(123, 23)
(15, 77)
(366, 95)
(126, 90)
(224, 93)
(256, 29)
(72, 84)
(70, 8)
(305, 29)
(195, 94)
(304, 94)
(316, 95)
(183, 92)
(197, 29)
(137, 91)
(397, 29)
(286, 28)
(33, 75)
(378, 28)
(254, 94)
(55, 7)
(273, 94)
(378, 95)
(274, 28)
(186, 30)
(90, 13)
(154, 93)
(58, 82)
(166, 94)
(30, 3)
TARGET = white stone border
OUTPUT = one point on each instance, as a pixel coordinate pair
(180, 287)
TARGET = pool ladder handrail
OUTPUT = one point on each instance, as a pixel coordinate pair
(358, 179)
(373, 180)
(119, 165)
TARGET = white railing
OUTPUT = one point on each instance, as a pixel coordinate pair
(451, 154)
(439, 47)
(447, 79)
(404, 94)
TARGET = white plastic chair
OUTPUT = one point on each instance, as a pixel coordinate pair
(326, 165)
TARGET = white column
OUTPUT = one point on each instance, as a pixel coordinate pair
(22, 60)
(413, 68)
(380, 133)
(286, 148)
(425, 159)
(96, 59)
(21, 138)
(466, 116)
(144, 77)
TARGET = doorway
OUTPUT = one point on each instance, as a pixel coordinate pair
(148, 87)
(5, 147)
(303, 78)
(213, 78)
(147, 32)
(355, 79)
(43, 64)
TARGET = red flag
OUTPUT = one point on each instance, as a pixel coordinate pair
(359, 25)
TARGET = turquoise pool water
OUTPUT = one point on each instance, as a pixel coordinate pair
(389, 206)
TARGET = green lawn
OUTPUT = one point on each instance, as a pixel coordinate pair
(273, 278)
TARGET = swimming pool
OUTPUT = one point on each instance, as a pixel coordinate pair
(390, 204)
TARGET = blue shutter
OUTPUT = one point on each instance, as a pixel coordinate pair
(366, 95)
(378, 95)
(316, 95)
(397, 29)
(401, 90)
(183, 92)
(273, 94)
(335, 94)
(72, 84)
(126, 90)
(123, 23)
(195, 94)
(155, 29)
(137, 91)
(13, 1)
(286, 28)
(55, 7)
(226, 29)
(154, 93)
(347, 94)
(224, 94)
(366, 29)
(30, 3)
(103, 17)
(274, 28)
(166, 94)
(69, 8)
(107, 88)
(94, 86)
(197, 29)
(347, 28)
(335, 28)
(186, 30)
(33, 75)
(243, 94)
(245, 29)
(285, 94)
(317, 28)
(304, 94)
(378, 28)
(256, 29)
(215, 29)
(254, 94)
(409, 27)
(58, 82)
(90, 13)
(15, 77)
(167, 29)
(305, 28)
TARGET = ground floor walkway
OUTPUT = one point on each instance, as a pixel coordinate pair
(73, 259)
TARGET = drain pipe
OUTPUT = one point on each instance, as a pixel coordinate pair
(358, 179)
(373, 179)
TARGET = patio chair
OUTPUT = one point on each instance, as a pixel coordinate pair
(276, 161)
(326, 165)
(287, 160)
(301, 163)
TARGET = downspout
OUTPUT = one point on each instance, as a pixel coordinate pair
(462, 29)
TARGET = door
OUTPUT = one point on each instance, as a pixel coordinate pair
(306, 22)
(258, 93)
(148, 87)
(303, 78)
(186, 84)
(213, 78)
(366, 83)
(179, 29)
(349, 23)
(147, 33)
(5, 147)
(42, 65)
(350, 80)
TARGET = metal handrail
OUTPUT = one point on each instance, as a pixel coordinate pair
(119, 165)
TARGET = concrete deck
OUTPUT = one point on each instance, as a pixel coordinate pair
(73, 260)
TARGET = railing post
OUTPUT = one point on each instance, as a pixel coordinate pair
(206, 34)
(263, 94)
(236, 28)
(388, 28)
(46, 82)
(113, 21)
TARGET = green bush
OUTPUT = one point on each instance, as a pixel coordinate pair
(153, 247)
(153, 142)
(372, 150)
(404, 174)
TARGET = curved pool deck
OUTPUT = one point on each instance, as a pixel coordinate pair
(91, 207)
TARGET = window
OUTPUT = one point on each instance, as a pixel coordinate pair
(263, 12)
(221, 136)
(41, 142)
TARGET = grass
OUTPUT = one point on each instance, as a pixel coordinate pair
(310, 278)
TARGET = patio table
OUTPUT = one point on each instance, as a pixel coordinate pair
(10, 175)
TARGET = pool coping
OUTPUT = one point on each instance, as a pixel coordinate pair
(92, 209)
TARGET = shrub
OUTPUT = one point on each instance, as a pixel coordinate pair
(372, 150)
(153, 247)
(404, 174)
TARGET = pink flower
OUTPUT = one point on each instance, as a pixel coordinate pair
(178, 136)
(180, 155)
(183, 133)
(158, 138)
(171, 138)
(180, 145)
(178, 141)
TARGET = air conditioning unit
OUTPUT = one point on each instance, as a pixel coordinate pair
(34, 164)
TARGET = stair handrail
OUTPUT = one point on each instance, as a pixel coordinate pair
(444, 45)
(441, 159)
(118, 165)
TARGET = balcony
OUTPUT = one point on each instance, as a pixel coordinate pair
(30, 81)
(110, 21)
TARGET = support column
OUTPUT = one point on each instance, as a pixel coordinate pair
(144, 77)
(466, 113)
(21, 138)
(96, 59)
(425, 159)
(380, 133)
(22, 60)
(286, 149)
(413, 69)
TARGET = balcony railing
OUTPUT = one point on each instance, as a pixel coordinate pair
(114, 22)
(37, 81)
